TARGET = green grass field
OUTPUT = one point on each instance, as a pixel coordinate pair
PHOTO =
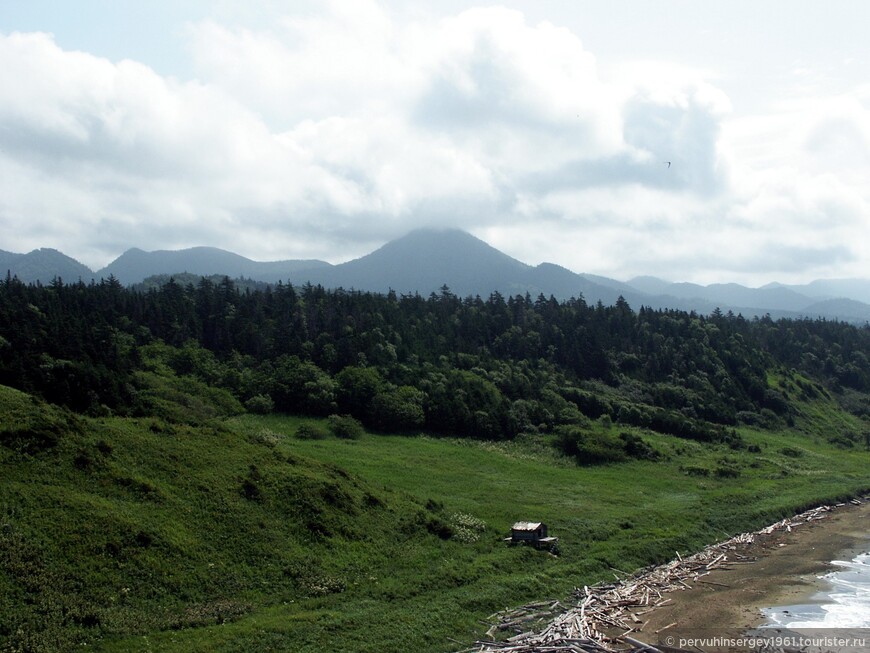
(232, 534)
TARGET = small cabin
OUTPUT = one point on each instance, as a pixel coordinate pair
(533, 533)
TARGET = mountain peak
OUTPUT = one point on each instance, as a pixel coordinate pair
(444, 247)
(45, 264)
(436, 239)
(427, 259)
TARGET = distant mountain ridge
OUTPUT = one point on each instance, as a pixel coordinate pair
(136, 265)
(856, 289)
(425, 260)
(43, 265)
(780, 298)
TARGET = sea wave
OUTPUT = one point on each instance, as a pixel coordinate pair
(844, 603)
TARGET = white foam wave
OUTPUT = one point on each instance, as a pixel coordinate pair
(845, 605)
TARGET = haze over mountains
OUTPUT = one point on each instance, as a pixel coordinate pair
(426, 260)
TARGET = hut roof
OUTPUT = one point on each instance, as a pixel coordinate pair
(526, 526)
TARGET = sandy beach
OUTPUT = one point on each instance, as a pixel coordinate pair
(785, 571)
(713, 601)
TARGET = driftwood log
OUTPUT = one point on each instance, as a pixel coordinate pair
(617, 607)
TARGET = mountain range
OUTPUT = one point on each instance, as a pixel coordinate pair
(426, 260)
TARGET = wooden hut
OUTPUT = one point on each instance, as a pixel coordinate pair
(532, 533)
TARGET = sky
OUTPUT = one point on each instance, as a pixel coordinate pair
(693, 141)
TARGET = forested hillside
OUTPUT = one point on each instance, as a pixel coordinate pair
(168, 502)
(472, 367)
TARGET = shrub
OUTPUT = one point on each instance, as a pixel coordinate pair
(749, 418)
(250, 490)
(466, 528)
(260, 404)
(590, 447)
(727, 468)
(311, 431)
(844, 440)
(266, 437)
(219, 611)
(439, 527)
(312, 580)
(598, 447)
(636, 447)
(38, 427)
(345, 426)
(770, 420)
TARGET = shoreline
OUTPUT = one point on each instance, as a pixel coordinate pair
(784, 570)
(720, 591)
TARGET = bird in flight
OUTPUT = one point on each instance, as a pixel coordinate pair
(669, 163)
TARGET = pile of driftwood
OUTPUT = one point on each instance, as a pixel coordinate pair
(607, 615)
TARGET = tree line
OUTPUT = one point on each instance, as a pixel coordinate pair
(481, 367)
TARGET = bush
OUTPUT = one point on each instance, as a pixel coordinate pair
(776, 402)
(791, 452)
(727, 471)
(38, 427)
(749, 418)
(260, 404)
(590, 447)
(770, 420)
(636, 447)
(311, 431)
(346, 427)
(593, 447)
(439, 527)
(266, 437)
(727, 468)
(466, 528)
(397, 410)
(844, 440)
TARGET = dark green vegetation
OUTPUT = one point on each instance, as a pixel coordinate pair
(165, 500)
(489, 369)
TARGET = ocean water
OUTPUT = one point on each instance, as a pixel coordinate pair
(844, 603)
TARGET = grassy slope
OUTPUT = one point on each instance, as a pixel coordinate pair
(119, 526)
(139, 535)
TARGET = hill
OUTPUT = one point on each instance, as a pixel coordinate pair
(135, 265)
(857, 289)
(43, 265)
(426, 260)
(728, 294)
(7, 260)
(259, 469)
(192, 530)
(847, 310)
(840, 300)
(136, 527)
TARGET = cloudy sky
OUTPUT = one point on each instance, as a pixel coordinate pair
(292, 129)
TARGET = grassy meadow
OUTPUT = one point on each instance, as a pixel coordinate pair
(230, 533)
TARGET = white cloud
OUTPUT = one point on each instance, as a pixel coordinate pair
(346, 62)
(798, 185)
(324, 134)
(150, 161)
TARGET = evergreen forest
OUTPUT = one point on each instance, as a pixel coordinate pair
(486, 368)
